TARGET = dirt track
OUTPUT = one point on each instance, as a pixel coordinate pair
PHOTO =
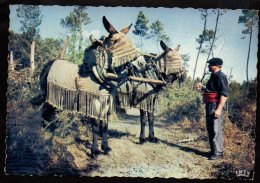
(178, 154)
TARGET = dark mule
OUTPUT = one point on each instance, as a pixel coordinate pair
(110, 75)
(169, 69)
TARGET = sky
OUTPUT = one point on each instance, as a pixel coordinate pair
(183, 26)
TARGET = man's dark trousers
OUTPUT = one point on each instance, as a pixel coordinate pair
(214, 127)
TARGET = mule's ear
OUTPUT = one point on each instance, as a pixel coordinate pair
(164, 47)
(125, 30)
(177, 48)
(108, 26)
(95, 41)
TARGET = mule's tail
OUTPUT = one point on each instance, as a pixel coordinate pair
(40, 99)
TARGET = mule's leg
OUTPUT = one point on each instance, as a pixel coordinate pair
(152, 138)
(104, 143)
(95, 133)
(143, 122)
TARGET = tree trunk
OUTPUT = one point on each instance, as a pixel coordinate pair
(80, 32)
(64, 47)
(212, 54)
(216, 26)
(32, 56)
(141, 44)
(195, 68)
(11, 62)
(249, 47)
(227, 105)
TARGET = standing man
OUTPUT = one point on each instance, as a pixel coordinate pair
(215, 96)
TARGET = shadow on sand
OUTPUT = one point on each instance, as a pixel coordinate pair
(118, 134)
(187, 149)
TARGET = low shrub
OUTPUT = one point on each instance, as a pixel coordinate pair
(179, 102)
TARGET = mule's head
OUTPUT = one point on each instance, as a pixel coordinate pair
(170, 64)
(119, 47)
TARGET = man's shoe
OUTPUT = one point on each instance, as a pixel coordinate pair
(210, 153)
(215, 157)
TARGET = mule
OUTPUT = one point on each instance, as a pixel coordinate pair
(90, 89)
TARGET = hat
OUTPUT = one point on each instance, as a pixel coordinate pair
(215, 61)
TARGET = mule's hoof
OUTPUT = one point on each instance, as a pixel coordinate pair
(153, 140)
(106, 152)
(142, 140)
(95, 153)
(106, 149)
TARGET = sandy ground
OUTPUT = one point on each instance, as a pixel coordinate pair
(178, 154)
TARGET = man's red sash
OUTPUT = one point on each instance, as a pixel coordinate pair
(210, 97)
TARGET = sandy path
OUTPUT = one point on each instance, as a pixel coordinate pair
(171, 157)
(168, 158)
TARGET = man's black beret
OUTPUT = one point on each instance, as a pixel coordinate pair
(215, 61)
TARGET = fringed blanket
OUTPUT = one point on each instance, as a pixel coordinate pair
(138, 95)
(68, 91)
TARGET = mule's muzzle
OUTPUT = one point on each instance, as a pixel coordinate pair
(181, 76)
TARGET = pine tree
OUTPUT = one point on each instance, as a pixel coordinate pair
(200, 40)
(185, 58)
(141, 28)
(21, 50)
(45, 50)
(75, 21)
(213, 35)
(208, 36)
(158, 34)
(250, 20)
(31, 19)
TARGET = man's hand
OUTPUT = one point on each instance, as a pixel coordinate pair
(222, 101)
(217, 113)
(199, 86)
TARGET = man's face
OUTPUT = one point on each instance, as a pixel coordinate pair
(211, 67)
